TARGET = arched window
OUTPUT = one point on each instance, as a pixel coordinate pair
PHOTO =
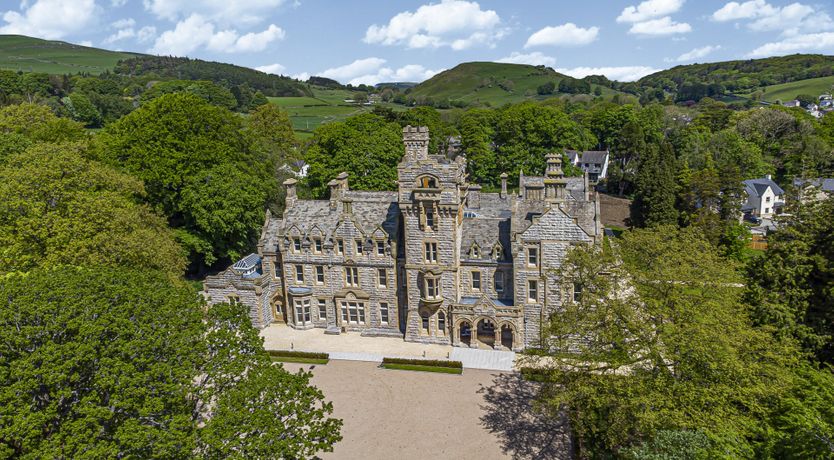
(441, 322)
(427, 182)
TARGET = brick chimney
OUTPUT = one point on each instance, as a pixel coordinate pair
(292, 196)
(503, 186)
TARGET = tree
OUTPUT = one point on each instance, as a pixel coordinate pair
(38, 123)
(174, 142)
(658, 340)
(476, 133)
(792, 288)
(97, 363)
(439, 131)
(654, 188)
(82, 110)
(270, 413)
(631, 143)
(546, 88)
(57, 207)
(365, 146)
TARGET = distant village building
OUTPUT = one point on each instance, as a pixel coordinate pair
(437, 261)
(814, 189)
(593, 162)
(764, 198)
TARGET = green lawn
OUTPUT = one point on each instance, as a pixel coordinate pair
(298, 359)
(419, 368)
(29, 54)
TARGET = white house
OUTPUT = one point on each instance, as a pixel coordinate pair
(764, 198)
(593, 162)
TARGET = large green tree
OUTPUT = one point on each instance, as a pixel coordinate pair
(656, 338)
(366, 146)
(58, 207)
(195, 160)
(655, 188)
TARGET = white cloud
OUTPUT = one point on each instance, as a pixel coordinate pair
(146, 34)
(534, 58)
(123, 23)
(696, 53)
(87, 43)
(660, 27)
(372, 70)
(819, 42)
(457, 24)
(224, 12)
(791, 19)
(50, 19)
(626, 73)
(354, 69)
(303, 76)
(568, 34)
(276, 69)
(195, 32)
(649, 9)
(120, 35)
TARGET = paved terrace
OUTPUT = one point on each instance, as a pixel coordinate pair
(353, 347)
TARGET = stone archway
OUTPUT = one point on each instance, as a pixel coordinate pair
(486, 332)
(465, 333)
(507, 336)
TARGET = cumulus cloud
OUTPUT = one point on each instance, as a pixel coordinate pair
(534, 58)
(818, 42)
(276, 69)
(568, 34)
(50, 19)
(123, 23)
(626, 73)
(660, 27)
(224, 12)
(372, 70)
(696, 53)
(196, 31)
(457, 24)
(762, 16)
(649, 9)
(120, 35)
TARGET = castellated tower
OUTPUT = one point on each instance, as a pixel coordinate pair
(431, 195)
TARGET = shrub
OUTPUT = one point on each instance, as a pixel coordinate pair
(424, 362)
(298, 354)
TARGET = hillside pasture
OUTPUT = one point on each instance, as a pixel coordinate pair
(28, 54)
(789, 91)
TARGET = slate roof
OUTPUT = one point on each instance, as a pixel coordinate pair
(369, 211)
(485, 232)
(555, 224)
(826, 185)
(588, 156)
(757, 187)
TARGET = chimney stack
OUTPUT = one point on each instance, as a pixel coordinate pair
(292, 196)
(503, 186)
(335, 193)
(473, 196)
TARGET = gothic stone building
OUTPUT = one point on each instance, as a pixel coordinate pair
(438, 261)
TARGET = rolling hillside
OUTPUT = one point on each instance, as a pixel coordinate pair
(29, 54)
(787, 91)
(492, 82)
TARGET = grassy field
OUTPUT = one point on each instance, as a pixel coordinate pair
(35, 55)
(419, 368)
(326, 105)
(788, 91)
(490, 82)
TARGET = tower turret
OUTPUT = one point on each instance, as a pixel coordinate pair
(416, 139)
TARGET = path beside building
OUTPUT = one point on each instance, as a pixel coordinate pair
(353, 347)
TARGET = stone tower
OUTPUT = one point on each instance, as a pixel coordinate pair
(431, 195)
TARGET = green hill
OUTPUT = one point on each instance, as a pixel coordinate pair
(695, 81)
(788, 91)
(29, 54)
(489, 82)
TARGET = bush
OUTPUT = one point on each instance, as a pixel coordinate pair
(424, 362)
(298, 354)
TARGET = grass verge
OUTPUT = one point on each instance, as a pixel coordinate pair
(292, 356)
(295, 359)
(423, 368)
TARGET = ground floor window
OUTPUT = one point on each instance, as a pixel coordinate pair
(441, 323)
(353, 312)
(383, 313)
(425, 322)
(322, 309)
(302, 311)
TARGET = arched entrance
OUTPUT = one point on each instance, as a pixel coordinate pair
(465, 331)
(486, 332)
(507, 336)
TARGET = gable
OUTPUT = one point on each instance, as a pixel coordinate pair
(555, 225)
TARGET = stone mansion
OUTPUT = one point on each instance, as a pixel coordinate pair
(437, 261)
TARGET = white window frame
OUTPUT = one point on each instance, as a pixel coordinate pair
(320, 276)
(430, 252)
(299, 273)
(499, 285)
(317, 245)
(532, 256)
(296, 244)
(340, 246)
(432, 286)
(302, 311)
(476, 276)
(383, 313)
(380, 248)
(352, 276)
(353, 312)
(382, 277)
(532, 291)
(322, 304)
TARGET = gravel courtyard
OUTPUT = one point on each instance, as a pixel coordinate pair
(390, 414)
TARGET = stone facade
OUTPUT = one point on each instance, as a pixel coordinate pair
(437, 261)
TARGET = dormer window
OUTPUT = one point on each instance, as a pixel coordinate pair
(475, 252)
(359, 248)
(497, 252)
(317, 245)
(296, 244)
(380, 248)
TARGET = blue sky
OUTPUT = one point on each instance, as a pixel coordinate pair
(374, 41)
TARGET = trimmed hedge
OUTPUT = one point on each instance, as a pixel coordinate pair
(297, 354)
(424, 362)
